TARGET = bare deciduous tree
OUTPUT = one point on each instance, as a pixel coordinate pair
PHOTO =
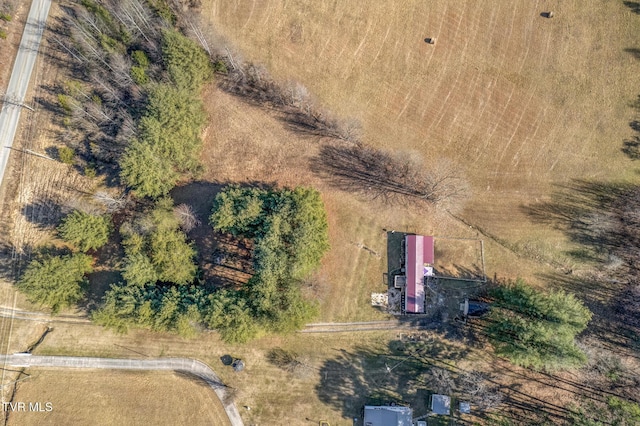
(186, 216)
(477, 387)
(136, 18)
(440, 380)
(120, 67)
(112, 202)
(389, 176)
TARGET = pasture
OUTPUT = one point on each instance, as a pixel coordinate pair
(521, 103)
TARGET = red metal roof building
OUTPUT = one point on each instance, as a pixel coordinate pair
(419, 256)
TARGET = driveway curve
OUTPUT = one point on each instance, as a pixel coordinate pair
(188, 365)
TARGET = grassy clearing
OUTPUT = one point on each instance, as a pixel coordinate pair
(265, 388)
(115, 397)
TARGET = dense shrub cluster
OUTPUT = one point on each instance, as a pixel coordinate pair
(85, 231)
(168, 137)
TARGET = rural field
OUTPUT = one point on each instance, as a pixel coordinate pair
(520, 102)
(109, 398)
(341, 371)
(522, 105)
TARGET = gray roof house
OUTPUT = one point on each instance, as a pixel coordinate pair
(387, 416)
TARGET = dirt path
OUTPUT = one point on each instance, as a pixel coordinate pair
(320, 327)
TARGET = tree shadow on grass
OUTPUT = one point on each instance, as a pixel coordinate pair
(351, 380)
(604, 218)
(382, 376)
(589, 214)
(633, 5)
(196, 380)
(402, 372)
(634, 51)
(616, 317)
(631, 147)
(44, 213)
(14, 259)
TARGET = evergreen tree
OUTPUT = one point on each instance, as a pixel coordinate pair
(309, 238)
(145, 169)
(535, 329)
(290, 232)
(239, 211)
(172, 256)
(171, 124)
(57, 282)
(188, 64)
(232, 318)
(139, 270)
(85, 231)
(160, 308)
(156, 249)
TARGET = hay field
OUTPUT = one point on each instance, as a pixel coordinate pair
(519, 101)
(117, 398)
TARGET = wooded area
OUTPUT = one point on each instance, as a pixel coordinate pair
(135, 109)
(161, 290)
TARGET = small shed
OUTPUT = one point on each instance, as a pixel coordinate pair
(465, 408)
(441, 404)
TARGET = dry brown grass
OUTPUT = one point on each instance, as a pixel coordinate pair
(519, 101)
(275, 396)
(10, 44)
(100, 397)
(37, 191)
(245, 144)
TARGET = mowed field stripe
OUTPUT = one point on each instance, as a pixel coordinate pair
(253, 6)
(488, 88)
(364, 39)
(464, 94)
(529, 138)
(528, 35)
(443, 104)
(516, 128)
(492, 130)
(384, 40)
